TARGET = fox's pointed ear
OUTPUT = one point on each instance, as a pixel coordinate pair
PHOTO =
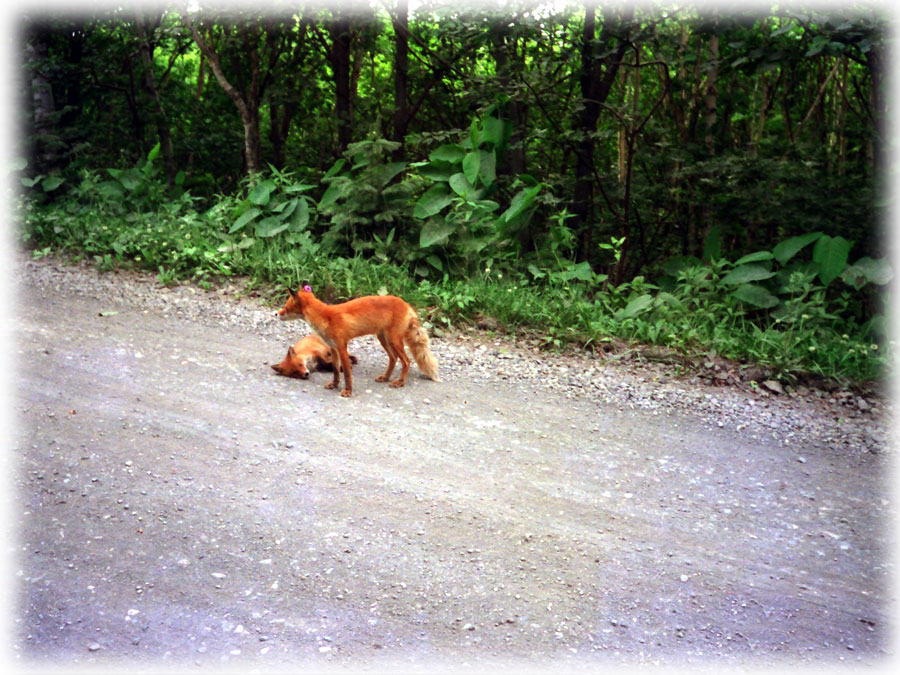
(291, 352)
(292, 292)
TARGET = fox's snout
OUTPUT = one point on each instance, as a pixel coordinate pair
(292, 309)
(289, 369)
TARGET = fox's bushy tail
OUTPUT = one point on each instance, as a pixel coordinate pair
(417, 340)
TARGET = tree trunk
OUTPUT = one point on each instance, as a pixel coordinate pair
(400, 22)
(248, 109)
(711, 94)
(583, 201)
(159, 113)
(514, 162)
(341, 39)
(878, 106)
(280, 118)
(43, 103)
(596, 83)
(841, 117)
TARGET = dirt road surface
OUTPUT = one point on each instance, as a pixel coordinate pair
(181, 507)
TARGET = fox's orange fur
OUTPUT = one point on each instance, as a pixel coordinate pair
(306, 354)
(388, 317)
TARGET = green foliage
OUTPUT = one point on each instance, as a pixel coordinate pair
(774, 310)
(695, 307)
(463, 222)
(363, 197)
(273, 205)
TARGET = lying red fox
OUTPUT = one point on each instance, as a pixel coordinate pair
(388, 317)
(307, 354)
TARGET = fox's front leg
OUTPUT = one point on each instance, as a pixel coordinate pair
(348, 373)
(336, 364)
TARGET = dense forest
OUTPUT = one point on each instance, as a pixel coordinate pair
(658, 171)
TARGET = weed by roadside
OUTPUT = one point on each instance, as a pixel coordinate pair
(793, 310)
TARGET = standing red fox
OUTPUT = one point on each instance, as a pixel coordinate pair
(306, 354)
(388, 317)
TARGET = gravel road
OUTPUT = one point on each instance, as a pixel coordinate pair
(181, 507)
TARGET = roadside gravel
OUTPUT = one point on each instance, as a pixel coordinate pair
(841, 420)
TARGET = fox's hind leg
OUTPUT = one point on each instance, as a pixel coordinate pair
(397, 345)
(392, 359)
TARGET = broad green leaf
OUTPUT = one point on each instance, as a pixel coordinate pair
(463, 187)
(817, 44)
(434, 199)
(439, 170)
(335, 169)
(712, 244)
(492, 131)
(635, 307)
(488, 204)
(664, 298)
(447, 153)
(747, 273)
(285, 208)
(488, 167)
(154, 153)
(582, 271)
(130, 179)
(244, 218)
(50, 183)
(522, 201)
(471, 164)
(332, 194)
(301, 215)
(831, 255)
(759, 256)
(261, 192)
(755, 295)
(535, 271)
(474, 134)
(269, 227)
(297, 187)
(435, 231)
(791, 247)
